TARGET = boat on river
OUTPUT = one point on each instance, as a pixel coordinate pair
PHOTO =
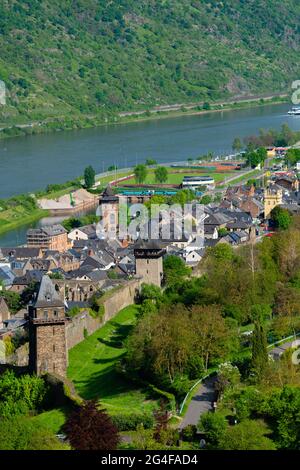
(294, 112)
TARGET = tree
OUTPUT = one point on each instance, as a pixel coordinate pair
(256, 157)
(247, 435)
(237, 145)
(89, 177)
(90, 428)
(12, 299)
(161, 174)
(259, 358)
(112, 168)
(19, 395)
(140, 173)
(214, 425)
(228, 377)
(281, 218)
(292, 157)
(222, 232)
(23, 433)
(150, 292)
(174, 269)
(150, 162)
(213, 337)
(206, 200)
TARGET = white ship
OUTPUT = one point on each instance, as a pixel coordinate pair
(294, 112)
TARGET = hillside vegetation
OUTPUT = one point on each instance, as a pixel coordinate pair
(80, 62)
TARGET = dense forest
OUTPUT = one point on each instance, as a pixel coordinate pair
(84, 60)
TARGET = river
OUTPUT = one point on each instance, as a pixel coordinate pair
(30, 163)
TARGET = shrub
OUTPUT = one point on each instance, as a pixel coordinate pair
(20, 395)
(129, 422)
(21, 433)
(90, 428)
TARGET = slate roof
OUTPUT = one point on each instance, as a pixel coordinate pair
(21, 252)
(47, 295)
(51, 230)
(6, 275)
(31, 276)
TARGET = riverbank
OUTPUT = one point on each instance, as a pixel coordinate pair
(199, 108)
(158, 113)
(20, 217)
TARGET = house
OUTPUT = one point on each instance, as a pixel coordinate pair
(22, 252)
(291, 183)
(88, 232)
(46, 265)
(99, 260)
(54, 237)
(22, 282)
(20, 266)
(193, 257)
(253, 206)
(235, 238)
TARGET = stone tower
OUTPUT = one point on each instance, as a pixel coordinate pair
(272, 198)
(47, 331)
(148, 259)
(109, 204)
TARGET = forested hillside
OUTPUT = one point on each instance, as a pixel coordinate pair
(79, 59)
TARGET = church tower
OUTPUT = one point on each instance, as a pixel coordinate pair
(148, 260)
(47, 331)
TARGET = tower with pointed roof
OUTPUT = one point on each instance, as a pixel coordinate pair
(149, 261)
(109, 203)
(47, 331)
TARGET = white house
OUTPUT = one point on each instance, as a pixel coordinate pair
(88, 232)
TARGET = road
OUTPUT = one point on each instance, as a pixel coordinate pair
(189, 106)
(201, 403)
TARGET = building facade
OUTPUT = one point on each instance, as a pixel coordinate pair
(272, 198)
(149, 262)
(48, 238)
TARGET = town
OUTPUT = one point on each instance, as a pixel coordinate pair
(67, 283)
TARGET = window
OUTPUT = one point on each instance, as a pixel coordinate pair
(55, 313)
(54, 348)
(45, 313)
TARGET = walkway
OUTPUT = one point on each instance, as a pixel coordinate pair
(201, 403)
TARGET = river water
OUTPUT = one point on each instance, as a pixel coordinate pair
(30, 163)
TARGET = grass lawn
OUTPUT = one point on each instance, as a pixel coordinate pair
(13, 218)
(92, 367)
(176, 178)
(244, 178)
(52, 420)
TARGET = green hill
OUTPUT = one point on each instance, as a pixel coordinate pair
(85, 60)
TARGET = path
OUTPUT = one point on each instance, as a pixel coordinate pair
(201, 403)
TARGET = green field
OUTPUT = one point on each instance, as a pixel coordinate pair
(92, 367)
(52, 420)
(176, 178)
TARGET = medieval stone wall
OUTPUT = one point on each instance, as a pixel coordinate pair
(115, 302)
